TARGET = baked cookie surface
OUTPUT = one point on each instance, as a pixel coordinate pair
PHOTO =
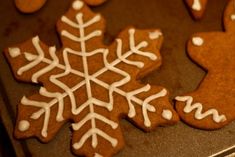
(89, 84)
(211, 106)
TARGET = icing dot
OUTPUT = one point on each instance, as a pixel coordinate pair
(197, 41)
(154, 35)
(14, 52)
(24, 125)
(233, 17)
(196, 5)
(77, 5)
(167, 114)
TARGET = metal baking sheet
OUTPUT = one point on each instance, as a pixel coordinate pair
(178, 73)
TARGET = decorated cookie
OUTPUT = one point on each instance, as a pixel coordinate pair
(212, 105)
(89, 84)
(197, 7)
(30, 6)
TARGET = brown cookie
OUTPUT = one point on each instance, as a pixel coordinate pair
(30, 6)
(89, 84)
(94, 2)
(197, 7)
(212, 105)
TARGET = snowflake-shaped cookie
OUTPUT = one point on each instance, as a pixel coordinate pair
(89, 84)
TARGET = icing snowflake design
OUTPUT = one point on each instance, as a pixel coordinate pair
(92, 87)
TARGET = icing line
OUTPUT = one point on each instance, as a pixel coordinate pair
(189, 107)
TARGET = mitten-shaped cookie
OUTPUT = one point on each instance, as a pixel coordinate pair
(212, 105)
(197, 7)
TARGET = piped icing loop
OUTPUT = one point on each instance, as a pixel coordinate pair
(198, 107)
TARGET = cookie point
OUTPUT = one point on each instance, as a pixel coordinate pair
(155, 35)
(167, 114)
(77, 5)
(14, 52)
(197, 41)
(23, 125)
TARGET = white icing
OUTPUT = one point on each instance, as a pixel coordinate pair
(51, 66)
(155, 35)
(146, 102)
(123, 59)
(39, 58)
(97, 155)
(233, 17)
(77, 5)
(167, 114)
(91, 132)
(59, 116)
(129, 97)
(135, 49)
(189, 107)
(197, 41)
(196, 5)
(23, 125)
(92, 116)
(46, 109)
(30, 57)
(14, 52)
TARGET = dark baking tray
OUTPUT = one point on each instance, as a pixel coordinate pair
(178, 73)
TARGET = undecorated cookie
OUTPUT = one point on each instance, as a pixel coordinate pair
(212, 105)
(89, 84)
(30, 6)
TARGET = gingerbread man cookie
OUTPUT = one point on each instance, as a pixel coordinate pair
(212, 105)
(197, 7)
(89, 84)
(30, 6)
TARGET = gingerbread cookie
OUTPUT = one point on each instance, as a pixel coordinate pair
(89, 84)
(212, 105)
(197, 7)
(94, 2)
(30, 6)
